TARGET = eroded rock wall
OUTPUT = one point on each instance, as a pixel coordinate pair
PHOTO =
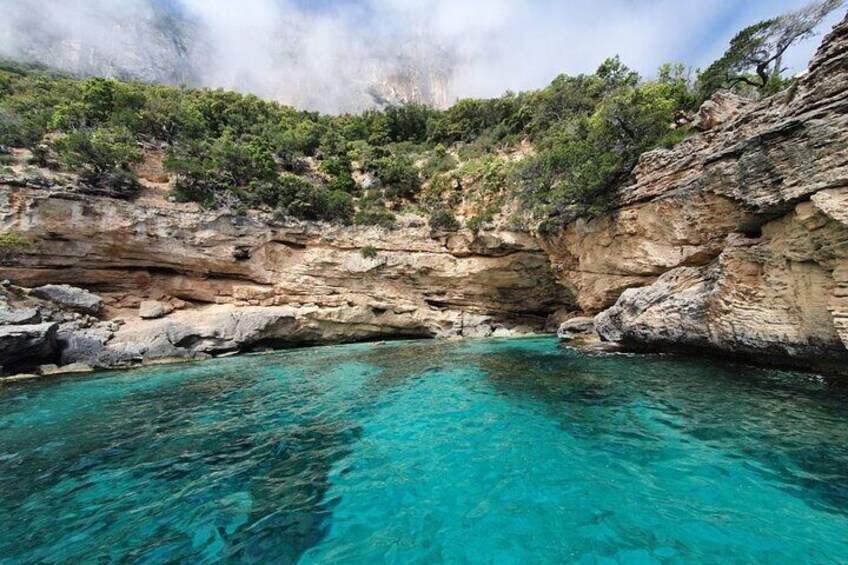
(337, 283)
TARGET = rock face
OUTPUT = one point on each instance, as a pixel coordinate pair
(131, 252)
(236, 283)
(735, 240)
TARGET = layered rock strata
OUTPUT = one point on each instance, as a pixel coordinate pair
(225, 283)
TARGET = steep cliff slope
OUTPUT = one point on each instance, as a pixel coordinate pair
(740, 233)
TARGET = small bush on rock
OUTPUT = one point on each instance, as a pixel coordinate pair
(368, 252)
(375, 217)
(442, 219)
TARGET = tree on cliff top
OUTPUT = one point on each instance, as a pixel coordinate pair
(755, 55)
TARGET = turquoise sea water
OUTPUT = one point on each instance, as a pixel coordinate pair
(497, 451)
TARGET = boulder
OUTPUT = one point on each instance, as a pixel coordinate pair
(243, 327)
(475, 325)
(219, 330)
(152, 309)
(577, 329)
(27, 344)
(671, 312)
(83, 345)
(14, 317)
(70, 297)
(479, 330)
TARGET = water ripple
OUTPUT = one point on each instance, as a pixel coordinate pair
(468, 452)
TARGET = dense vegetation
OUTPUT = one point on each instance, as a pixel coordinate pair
(558, 152)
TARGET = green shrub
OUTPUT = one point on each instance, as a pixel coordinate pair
(309, 202)
(398, 174)
(239, 161)
(482, 145)
(11, 243)
(442, 219)
(375, 217)
(548, 227)
(344, 183)
(439, 162)
(336, 166)
(444, 190)
(40, 156)
(371, 197)
(476, 222)
(368, 252)
(339, 207)
(102, 157)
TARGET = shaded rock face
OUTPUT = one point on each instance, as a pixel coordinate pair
(736, 239)
(27, 344)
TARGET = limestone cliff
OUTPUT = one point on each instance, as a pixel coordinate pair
(737, 238)
(245, 282)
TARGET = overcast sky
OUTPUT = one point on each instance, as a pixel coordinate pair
(494, 45)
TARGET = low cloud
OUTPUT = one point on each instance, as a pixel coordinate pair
(335, 55)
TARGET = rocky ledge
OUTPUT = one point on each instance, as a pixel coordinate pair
(736, 240)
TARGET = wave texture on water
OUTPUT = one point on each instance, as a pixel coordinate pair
(506, 451)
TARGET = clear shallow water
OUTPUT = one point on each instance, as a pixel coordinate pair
(510, 451)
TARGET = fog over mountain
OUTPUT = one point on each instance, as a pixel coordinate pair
(334, 55)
